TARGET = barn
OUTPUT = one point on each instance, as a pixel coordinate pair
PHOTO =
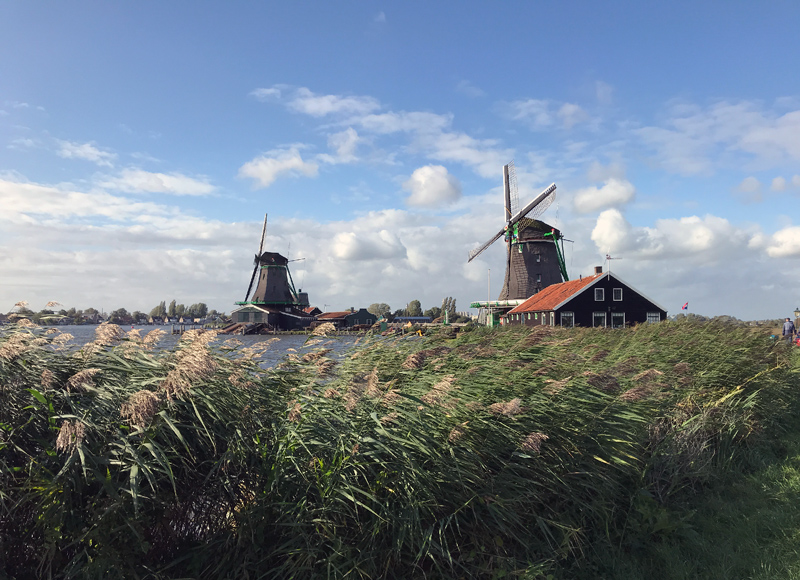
(600, 300)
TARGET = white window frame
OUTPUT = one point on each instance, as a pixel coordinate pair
(653, 317)
(617, 315)
(538, 257)
(599, 294)
(615, 294)
(538, 277)
(552, 318)
(595, 315)
(570, 316)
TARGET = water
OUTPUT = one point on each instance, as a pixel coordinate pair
(339, 345)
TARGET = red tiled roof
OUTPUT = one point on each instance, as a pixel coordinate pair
(554, 295)
(333, 315)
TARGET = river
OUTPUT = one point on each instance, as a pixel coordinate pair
(339, 345)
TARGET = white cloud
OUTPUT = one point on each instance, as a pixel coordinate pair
(402, 121)
(344, 145)
(571, 114)
(266, 94)
(539, 114)
(704, 239)
(87, 151)
(615, 192)
(534, 112)
(750, 187)
(778, 184)
(266, 168)
(29, 202)
(138, 180)
(21, 144)
(431, 186)
(785, 243)
(306, 102)
(696, 140)
(380, 17)
(604, 92)
(467, 88)
(382, 245)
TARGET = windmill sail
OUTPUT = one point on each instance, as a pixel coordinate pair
(258, 258)
(539, 204)
(533, 259)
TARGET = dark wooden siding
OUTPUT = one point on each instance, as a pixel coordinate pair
(583, 306)
(633, 305)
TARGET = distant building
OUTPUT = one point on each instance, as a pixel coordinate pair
(600, 300)
(348, 318)
(285, 317)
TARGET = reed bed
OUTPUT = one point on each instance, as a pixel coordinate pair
(477, 454)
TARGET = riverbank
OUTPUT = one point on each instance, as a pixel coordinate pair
(481, 453)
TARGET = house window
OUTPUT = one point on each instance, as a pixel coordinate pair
(529, 315)
(599, 319)
(653, 317)
(568, 319)
(617, 320)
(618, 294)
(552, 319)
(599, 294)
(536, 316)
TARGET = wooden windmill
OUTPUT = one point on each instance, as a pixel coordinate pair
(534, 259)
(275, 286)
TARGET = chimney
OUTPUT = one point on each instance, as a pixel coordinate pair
(598, 269)
(352, 309)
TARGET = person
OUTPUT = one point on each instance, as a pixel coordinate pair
(788, 330)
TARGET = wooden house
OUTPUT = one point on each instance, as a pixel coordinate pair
(348, 318)
(600, 300)
(283, 317)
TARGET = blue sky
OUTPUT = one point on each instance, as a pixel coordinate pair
(141, 144)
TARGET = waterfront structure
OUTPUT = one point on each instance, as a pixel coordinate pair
(601, 300)
(274, 304)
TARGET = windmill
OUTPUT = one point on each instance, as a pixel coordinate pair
(275, 286)
(534, 259)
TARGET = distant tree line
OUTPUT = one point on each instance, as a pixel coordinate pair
(49, 315)
(414, 308)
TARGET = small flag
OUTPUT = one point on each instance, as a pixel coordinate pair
(685, 306)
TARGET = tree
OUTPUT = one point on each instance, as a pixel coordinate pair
(414, 308)
(378, 309)
(172, 311)
(180, 310)
(199, 310)
(449, 306)
(160, 310)
(434, 312)
(120, 316)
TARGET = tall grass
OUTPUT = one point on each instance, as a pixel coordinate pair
(478, 454)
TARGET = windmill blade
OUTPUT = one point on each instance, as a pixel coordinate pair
(513, 189)
(478, 251)
(252, 279)
(536, 207)
(263, 235)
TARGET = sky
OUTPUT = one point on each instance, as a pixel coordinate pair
(141, 145)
